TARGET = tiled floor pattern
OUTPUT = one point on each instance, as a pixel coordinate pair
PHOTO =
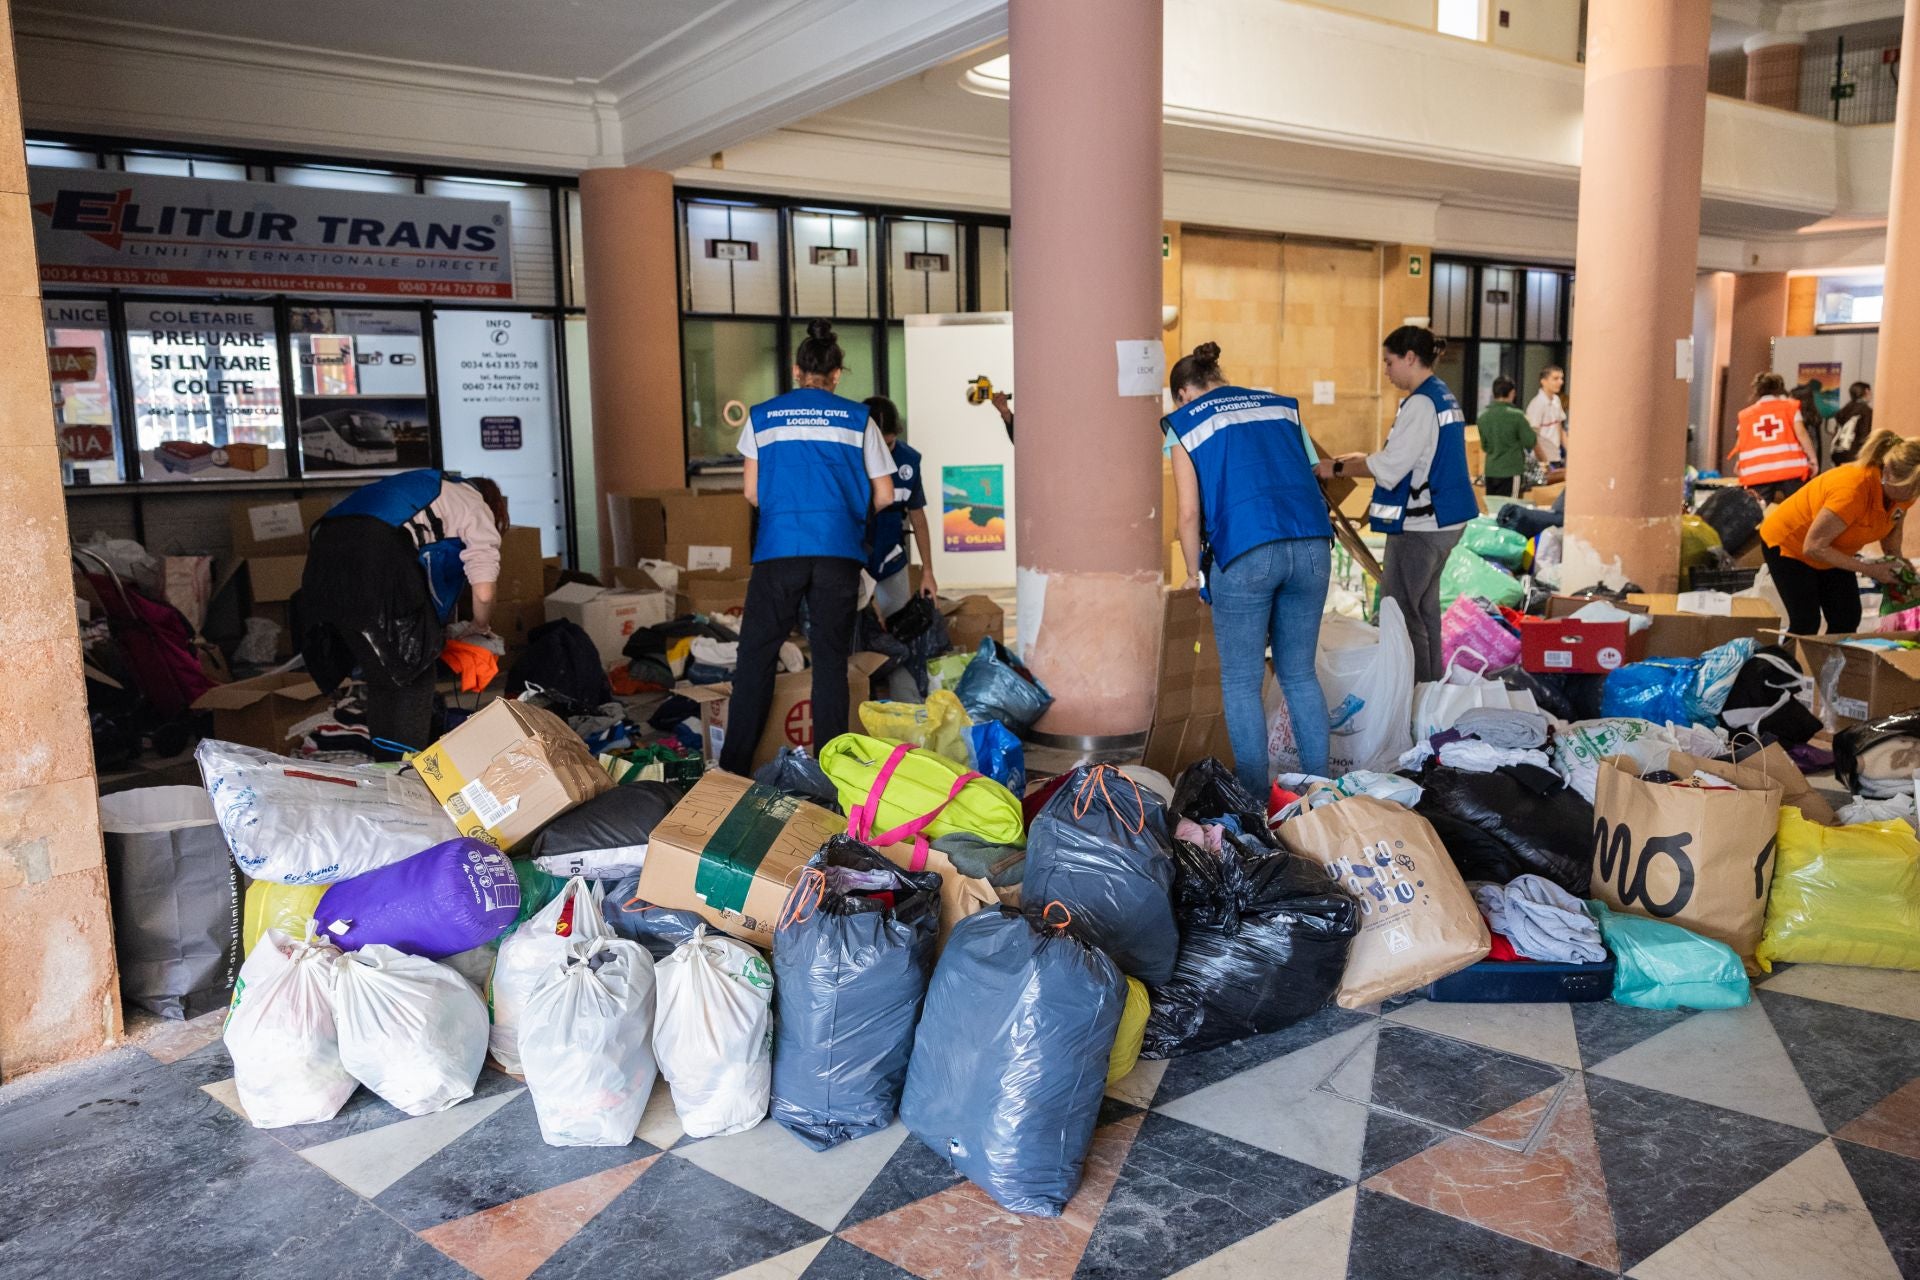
(1776, 1142)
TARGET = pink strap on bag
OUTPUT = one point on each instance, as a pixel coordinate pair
(860, 821)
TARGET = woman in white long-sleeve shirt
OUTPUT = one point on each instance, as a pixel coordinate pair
(1422, 494)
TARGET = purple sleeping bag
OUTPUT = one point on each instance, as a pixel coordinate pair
(448, 899)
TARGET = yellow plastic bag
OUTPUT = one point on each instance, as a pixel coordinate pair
(940, 724)
(1698, 539)
(286, 907)
(1844, 895)
(1133, 1033)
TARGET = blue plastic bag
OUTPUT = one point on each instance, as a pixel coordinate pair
(990, 689)
(1658, 965)
(1676, 690)
(998, 754)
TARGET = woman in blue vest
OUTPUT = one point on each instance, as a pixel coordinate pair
(1422, 494)
(384, 570)
(815, 466)
(1243, 465)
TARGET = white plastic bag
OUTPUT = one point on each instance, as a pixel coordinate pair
(529, 953)
(587, 1044)
(280, 1033)
(411, 1030)
(1367, 675)
(1439, 703)
(713, 1033)
(1579, 747)
(302, 822)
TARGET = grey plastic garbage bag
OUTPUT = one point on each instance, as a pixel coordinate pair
(1010, 1060)
(850, 969)
(606, 837)
(176, 900)
(992, 688)
(1101, 849)
(800, 776)
(659, 929)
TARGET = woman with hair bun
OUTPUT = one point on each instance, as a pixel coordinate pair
(1812, 539)
(815, 466)
(1422, 495)
(1243, 466)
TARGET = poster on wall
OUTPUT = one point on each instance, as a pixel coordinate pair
(82, 376)
(362, 381)
(206, 391)
(499, 412)
(148, 231)
(973, 502)
(1828, 374)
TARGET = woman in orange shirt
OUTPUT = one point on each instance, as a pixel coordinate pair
(1811, 540)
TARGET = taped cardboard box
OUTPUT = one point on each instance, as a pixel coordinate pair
(522, 571)
(711, 591)
(971, 619)
(608, 615)
(1870, 683)
(789, 717)
(730, 851)
(514, 620)
(277, 528)
(508, 770)
(258, 712)
(272, 579)
(694, 529)
(1189, 720)
(1677, 634)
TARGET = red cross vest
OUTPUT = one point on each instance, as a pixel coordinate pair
(1769, 446)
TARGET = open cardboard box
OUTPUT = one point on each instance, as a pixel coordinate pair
(790, 716)
(1871, 683)
(695, 529)
(258, 712)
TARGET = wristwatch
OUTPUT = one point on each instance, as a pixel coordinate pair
(1339, 467)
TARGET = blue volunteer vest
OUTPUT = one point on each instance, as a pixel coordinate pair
(398, 499)
(1256, 482)
(814, 492)
(887, 545)
(1447, 495)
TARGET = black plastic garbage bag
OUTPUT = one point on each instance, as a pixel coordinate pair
(1528, 521)
(851, 959)
(1548, 690)
(658, 929)
(561, 662)
(1735, 515)
(1762, 699)
(1100, 848)
(1010, 1059)
(1517, 820)
(1208, 791)
(799, 775)
(1264, 937)
(606, 837)
(1850, 745)
(993, 687)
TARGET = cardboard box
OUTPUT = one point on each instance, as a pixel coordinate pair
(607, 615)
(1189, 722)
(695, 529)
(522, 571)
(730, 851)
(274, 578)
(790, 717)
(1574, 646)
(1673, 634)
(258, 712)
(508, 770)
(277, 528)
(515, 620)
(1546, 494)
(246, 457)
(971, 619)
(1871, 683)
(711, 591)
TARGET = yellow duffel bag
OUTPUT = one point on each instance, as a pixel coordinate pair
(1844, 895)
(286, 907)
(896, 791)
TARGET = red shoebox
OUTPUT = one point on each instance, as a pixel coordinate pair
(1573, 646)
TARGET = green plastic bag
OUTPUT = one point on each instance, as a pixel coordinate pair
(1485, 536)
(1658, 965)
(537, 888)
(1469, 574)
(944, 672)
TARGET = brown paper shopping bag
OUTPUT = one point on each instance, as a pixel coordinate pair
(1418, 923)
(1697, 856)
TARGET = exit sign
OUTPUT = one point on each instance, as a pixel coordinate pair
(1415, 264)
(1166, 246)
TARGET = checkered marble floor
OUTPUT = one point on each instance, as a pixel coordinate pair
(1776, 1142)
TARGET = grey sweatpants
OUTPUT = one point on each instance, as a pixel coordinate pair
(1411, 576)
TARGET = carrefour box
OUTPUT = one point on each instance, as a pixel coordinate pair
(508, 770)
(1575, 646)
(730, 851)
(789, 716)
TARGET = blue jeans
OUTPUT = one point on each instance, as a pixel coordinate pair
(1273, 594)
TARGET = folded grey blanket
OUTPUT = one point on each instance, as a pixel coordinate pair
(1513, 730)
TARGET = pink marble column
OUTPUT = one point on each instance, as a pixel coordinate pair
(1086, 111)
(1641, 142)
(1896, 392)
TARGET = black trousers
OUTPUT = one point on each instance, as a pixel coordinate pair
(1810, 593)
(831, 589)
(1501, 486)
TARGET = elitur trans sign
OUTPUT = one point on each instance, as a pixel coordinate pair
(139, 231)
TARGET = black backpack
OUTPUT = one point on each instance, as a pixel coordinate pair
(561, 661)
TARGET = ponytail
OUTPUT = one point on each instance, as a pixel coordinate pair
(1200, 370)
(1899, 455)
(819, 353)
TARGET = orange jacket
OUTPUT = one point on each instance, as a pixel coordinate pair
(1769, 446)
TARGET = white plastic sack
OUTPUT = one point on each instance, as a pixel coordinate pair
(411, 1030)
(529, 953)
(587, 1044)
(1367, 675)
(280, 1034)
(713, 1034)
(301, 822)
(1579, 748)
(1866, 809)
(1439, 703)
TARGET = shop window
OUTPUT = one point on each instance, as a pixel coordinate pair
(530, 227)
(345, 179)
(1461, 18)
(586, 510)
(54, 155)
(360, 376)
(857, 374)
(996, 270)
(1496, 360)
(1450, 368)
(206, 391)
(575, 248)
(1452, 297)
(727, 366)
(1499, 301)
(1534, 359)
(78, 362)
(729, 259)
(927, 268)
(499, 403)
(832, 269)
(897, 366)
(1841, 300)
(1543, 306)
(184, 167)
